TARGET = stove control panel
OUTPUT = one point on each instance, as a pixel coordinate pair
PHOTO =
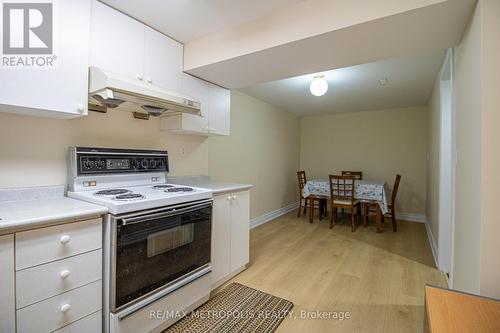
(91, 161)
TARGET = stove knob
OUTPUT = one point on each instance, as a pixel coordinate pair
(144, 164)
(152, 164)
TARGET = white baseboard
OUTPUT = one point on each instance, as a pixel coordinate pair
(411, 217)
(432, 242)
(255, 222)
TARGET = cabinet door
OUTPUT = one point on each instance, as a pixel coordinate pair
(7, 301)
(219, 110)
(59, 91)
(240, 230)
(116, 41)
(163, 60)
(221, 238)
(197, 89)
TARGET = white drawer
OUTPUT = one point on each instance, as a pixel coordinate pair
(57, 277)
(89, 324)
(44, 245)
(49, 315)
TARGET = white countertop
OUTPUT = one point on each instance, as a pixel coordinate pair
(28, 214)
(225, 187)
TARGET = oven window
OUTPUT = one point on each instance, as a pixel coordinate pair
(154, 252)
(170, 239)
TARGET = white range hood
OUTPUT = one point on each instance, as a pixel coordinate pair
(111, 90)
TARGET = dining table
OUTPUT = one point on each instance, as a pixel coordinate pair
(366, 191)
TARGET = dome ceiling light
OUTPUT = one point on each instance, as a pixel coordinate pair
(318, 86)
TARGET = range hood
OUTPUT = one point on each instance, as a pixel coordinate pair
(111, 91)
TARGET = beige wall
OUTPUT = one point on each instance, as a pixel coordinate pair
(432, 202)
(467, 224)
(379, 143)
(263, 150)
(33, 150)
(490, 231)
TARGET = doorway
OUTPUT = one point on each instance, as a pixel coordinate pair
(446, 168)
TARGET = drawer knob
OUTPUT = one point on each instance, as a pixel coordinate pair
(65, 308)
(234, 196)
(65, 239)
(64, 274)
(229, 197)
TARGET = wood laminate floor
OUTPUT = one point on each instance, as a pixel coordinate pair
(378, 278)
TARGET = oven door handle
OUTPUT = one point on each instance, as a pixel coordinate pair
(173, 212)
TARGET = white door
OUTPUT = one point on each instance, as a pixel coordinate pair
(116, 42)
(163, 60)
(7, 287)
(240, 230)
(197, 89)
(220, 109)
(59, 91)
(221, 238)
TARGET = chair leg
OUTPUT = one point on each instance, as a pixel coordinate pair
(353, 228)
(365, 217)
(311, 210)
(394, 225)
(300, 207)
(333, 218)
(305, 206)
(320, 209)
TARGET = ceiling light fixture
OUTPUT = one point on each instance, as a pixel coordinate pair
(318, 86)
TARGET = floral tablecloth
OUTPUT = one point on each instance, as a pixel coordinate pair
(366, 190)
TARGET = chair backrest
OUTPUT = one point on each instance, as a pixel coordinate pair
(357, 174)
(301, 175)
(395, 190)
(342, 188)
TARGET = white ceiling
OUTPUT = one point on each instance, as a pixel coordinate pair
(357, 88)
(186, 20)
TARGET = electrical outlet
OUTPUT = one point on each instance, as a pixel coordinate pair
(183, 151)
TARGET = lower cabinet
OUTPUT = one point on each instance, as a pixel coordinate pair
(7, 285)
(230, 235)
(51, 279)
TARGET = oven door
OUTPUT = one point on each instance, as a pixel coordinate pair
(159, 250)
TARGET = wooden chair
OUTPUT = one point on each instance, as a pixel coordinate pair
(342, 190)
(312, 200)
(391, 206)
(358, 175)
(301, 175)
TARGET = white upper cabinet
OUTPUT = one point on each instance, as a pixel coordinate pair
(163, 60)
(220, 110)
(58, 91)
(215, 110)
(116, 42)
(197, 89)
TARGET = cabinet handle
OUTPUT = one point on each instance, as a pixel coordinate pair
(65, 239)
(65, 308)
(64, 274)
(149, 80)
(80, 108)
(139, 77)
